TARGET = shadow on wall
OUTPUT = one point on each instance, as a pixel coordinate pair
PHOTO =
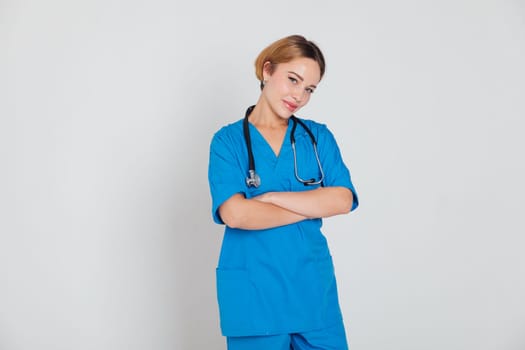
(203, 108)
(197, 238)
(195, 249)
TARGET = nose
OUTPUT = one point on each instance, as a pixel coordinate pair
(298, 94)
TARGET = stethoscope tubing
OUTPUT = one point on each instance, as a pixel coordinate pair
(253, 178)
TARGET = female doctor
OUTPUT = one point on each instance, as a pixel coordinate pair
(273, 177)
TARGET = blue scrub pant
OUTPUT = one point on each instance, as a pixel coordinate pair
(333, 338)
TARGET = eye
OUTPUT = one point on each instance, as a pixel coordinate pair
(310, 90)
(293, 80)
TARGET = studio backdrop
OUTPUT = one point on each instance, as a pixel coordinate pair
(107, 110)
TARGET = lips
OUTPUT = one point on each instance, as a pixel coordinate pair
(290, 106)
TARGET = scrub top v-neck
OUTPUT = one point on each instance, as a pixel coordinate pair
(278, 280)
(266, 152)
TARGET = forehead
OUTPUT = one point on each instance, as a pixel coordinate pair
(307, 68)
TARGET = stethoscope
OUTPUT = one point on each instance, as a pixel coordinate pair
(253, 179)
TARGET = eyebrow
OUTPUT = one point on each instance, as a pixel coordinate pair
(301, 78)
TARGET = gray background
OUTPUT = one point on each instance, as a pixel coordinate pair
(107, 109)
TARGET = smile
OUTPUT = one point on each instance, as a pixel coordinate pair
(290, 106)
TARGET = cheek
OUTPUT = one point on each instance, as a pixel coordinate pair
(280, 87)
(306, 98)
(284, 87)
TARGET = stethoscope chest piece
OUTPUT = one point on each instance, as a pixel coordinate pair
(253, 180)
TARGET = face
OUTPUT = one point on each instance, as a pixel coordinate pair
(290, 85)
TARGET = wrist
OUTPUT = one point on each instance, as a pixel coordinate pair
(271, 197)
(268, 197)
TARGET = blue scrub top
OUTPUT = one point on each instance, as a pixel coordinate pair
(278, 280)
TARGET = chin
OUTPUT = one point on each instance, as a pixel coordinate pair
(286, 113)
(282, 112)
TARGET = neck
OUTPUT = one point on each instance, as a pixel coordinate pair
(263, 116)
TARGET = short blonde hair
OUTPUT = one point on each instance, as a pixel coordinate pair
(286, 49)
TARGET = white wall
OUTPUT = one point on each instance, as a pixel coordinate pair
(107, 109)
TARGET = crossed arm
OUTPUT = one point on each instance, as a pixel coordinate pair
(274, 209)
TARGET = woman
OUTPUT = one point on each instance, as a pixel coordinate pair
(276, 286)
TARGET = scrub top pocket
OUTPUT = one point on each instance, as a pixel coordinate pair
(326, 272)
(328, 291)
(234, 293)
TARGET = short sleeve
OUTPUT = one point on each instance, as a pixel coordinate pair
(335, 170)
(225, 176)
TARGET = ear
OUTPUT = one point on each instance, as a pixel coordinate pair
(267, 70)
